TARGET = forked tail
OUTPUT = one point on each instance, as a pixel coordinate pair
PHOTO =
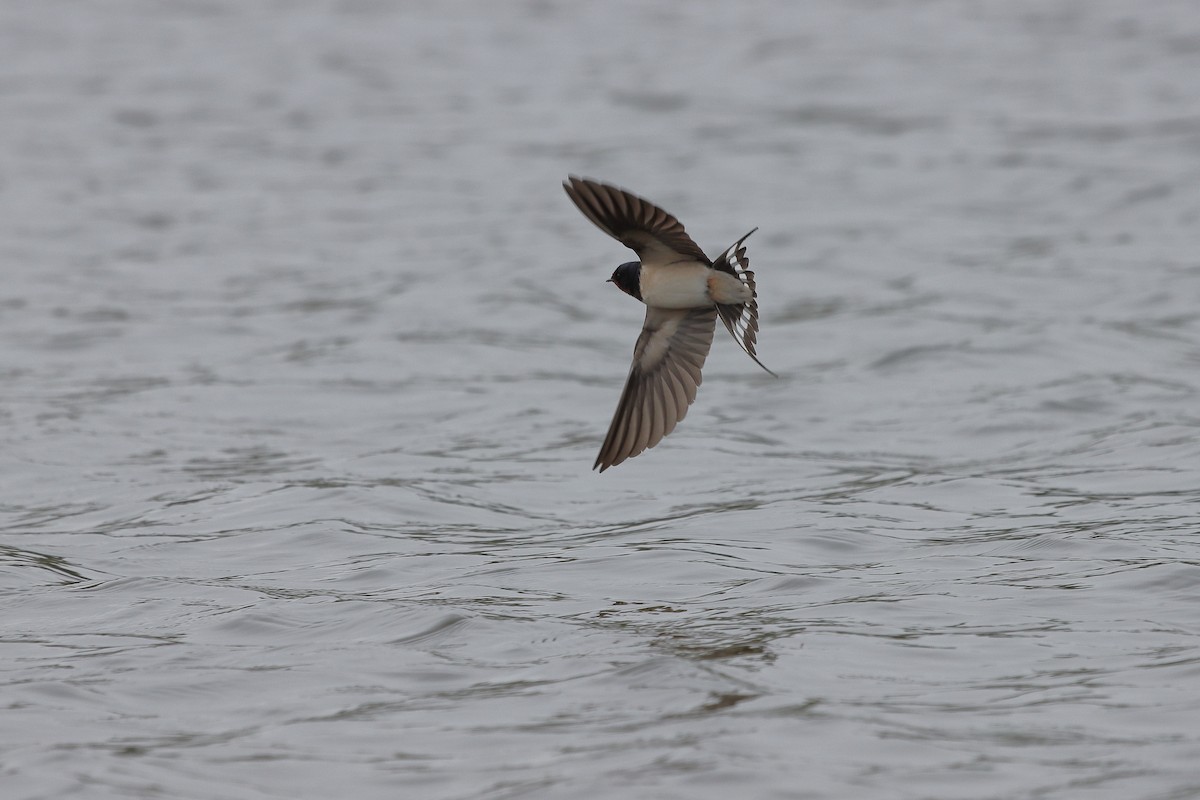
(741, 318)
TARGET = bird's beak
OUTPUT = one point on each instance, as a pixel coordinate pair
(610, 280)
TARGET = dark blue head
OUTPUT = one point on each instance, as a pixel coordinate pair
(628, 279)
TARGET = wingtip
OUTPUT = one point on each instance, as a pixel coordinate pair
(573, 182)
(602, 465)
(571, 185)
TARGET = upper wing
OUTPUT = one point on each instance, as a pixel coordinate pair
(656, 236)
(662, 382)
(741, 318)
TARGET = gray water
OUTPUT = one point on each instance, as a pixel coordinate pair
(305, 359)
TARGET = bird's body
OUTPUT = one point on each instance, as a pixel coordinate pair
(684, 292)
(690, 285)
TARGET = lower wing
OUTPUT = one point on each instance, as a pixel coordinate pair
(662, 382)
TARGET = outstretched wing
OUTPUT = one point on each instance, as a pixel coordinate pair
(656, 236)
(741, 318)
(662, 382)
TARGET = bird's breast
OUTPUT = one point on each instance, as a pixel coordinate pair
(682, 285)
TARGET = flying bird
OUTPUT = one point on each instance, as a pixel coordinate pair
(684, 293)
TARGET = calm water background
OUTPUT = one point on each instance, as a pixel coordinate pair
(305, 357)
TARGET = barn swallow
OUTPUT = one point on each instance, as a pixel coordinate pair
(684, 293)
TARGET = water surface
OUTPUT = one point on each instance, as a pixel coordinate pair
(305, 357)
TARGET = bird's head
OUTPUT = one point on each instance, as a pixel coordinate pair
(627, 278)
